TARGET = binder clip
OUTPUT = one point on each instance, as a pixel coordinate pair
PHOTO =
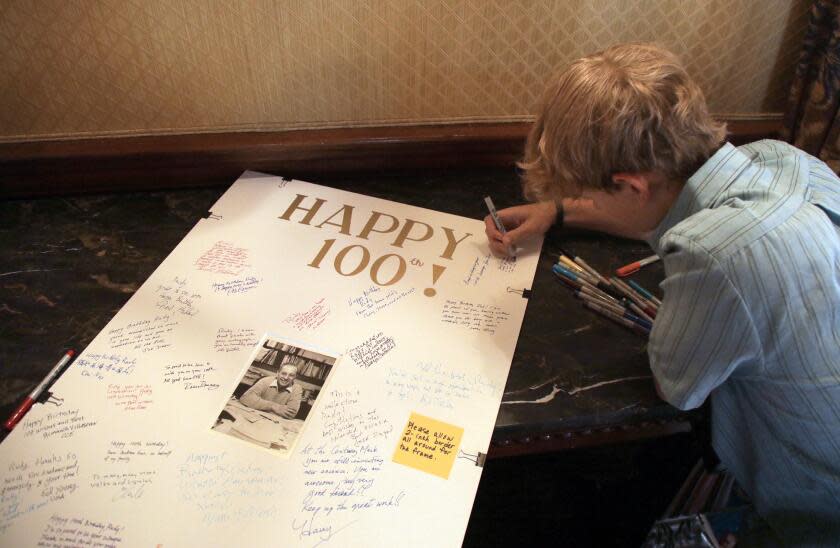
(49, 397)
(478, 458)
(526, 293)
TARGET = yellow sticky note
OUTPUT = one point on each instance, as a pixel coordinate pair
(428, 445)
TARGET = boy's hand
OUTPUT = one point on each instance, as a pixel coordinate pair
(521, 222)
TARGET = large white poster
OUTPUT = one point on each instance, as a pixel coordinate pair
(308, 367)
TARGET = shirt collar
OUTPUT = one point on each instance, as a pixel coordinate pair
(701, 190)
(274, 384)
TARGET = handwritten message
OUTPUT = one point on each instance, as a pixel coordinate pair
(312, 318)
(481, 264)
(474, 316)
(61, 424)
(438, 385)
(177, 296)
(477, 270)
(130, 397)
(144, 335)
(231, 340)
(29, 485)
(428, 445)
(339, 481)
(124, 485)
(224, 258)
(99, 365)
(346, 419)
(507, 264)
(210, 481)
(372, 350)
(239, 285)
(67, 532)
(128, 451)
(189, 375)
(375, 299)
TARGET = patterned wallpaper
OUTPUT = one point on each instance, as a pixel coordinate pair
(76, 68)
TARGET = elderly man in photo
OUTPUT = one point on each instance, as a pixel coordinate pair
(277, 394)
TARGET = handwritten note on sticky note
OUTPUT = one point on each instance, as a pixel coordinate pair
(428, 445)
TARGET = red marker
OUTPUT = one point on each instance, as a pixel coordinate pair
(633, 267)
(33, 397)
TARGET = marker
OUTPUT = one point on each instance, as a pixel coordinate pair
(577, 271)
(33, 397)
(566, 253)
(616, 309)
(644, 292)
(600, 282)
(601, 295)
(576, 282)
(649, 309)
(558, 269)
(572, 284)
(632, 295)
(618, 319)
(584, 265)
(633, 267)
(497, 221)
(571, 265)
(639, 312)
(644, 302)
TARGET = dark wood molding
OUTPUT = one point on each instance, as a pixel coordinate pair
(552, 442)
(43, 168)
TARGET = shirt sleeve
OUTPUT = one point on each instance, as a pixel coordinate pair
(703, 331)
(253, 397)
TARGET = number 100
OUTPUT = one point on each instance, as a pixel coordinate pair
(343, 266)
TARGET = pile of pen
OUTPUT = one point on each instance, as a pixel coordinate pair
(626, 303)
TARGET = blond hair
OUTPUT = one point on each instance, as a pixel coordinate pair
(630, 108)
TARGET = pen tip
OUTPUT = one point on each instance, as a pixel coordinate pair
(71, 353)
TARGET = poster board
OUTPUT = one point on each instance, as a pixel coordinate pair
(414, 318)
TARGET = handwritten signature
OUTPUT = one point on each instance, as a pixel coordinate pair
(323, 533)
(129, 493)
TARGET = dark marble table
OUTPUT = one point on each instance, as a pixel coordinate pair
(70, 263)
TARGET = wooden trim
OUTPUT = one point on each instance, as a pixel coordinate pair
(139, 163)
(560, 441)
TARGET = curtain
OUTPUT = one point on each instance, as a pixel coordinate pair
(811, 119)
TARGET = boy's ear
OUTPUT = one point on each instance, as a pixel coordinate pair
(637, 183)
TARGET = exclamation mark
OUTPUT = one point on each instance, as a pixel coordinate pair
(437, 270)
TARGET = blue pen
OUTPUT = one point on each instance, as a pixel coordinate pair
(641, 321)
(641, 290)
(568, 273)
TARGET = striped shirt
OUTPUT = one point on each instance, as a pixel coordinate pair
(751, 316)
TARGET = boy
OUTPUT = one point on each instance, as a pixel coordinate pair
(750, 240)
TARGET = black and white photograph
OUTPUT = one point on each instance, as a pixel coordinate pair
(272, 401)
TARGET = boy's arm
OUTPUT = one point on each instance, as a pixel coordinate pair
(703, 331)
(530, 220)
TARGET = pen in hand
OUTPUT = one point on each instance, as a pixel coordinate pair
(498, 222)
(35, 394)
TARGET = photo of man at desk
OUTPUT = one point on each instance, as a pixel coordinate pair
(279, 394)
(273, 398)
(750, 241)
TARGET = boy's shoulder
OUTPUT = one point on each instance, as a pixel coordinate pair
(771, 186)
(769, 149)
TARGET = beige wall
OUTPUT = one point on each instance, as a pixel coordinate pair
(75, 68)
